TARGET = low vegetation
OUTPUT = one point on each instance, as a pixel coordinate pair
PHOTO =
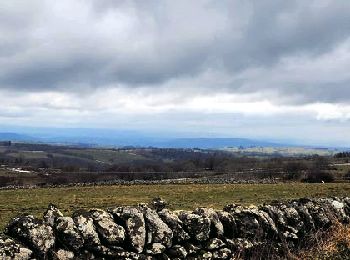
(24, 164)
(332, 245)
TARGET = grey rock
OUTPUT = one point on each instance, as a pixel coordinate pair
(197, 226)
(223, 253)
(175, 224)
(229, 223)
(306, 218)
(215, 243)
(157, 230)
(10, 249)
(192, 249)
(239, 244)
(267, 226)
(248, 226)
(109, 231)
(85, 224)
(217, 229)
(346, 202)
(145, 233)
(339, 207)
(158, 204)
(63, 255)
(51, 214)
(33, 232)
(68, 234)
(319, 214)
(205, 255)
(177, 251)
(134, 224)
(283, 216)
(155, 249)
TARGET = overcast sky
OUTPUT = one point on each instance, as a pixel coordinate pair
(264, 69)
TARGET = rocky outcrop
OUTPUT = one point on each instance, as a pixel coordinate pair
(155, 232)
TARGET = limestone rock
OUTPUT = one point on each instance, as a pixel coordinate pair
(134, 224)
(175, 224)
(33, 232)
(68, 234)
(109, 231)
(158, 204)
(239, 244)
(10, 249)
(85, 224)
(197, 226)
(223, 253)
(155, 249)
(63, 255)
(215, 243)
(229, 223)
(157, 230)
(217, 229)
(191, 248)
(51, 214)
(177, 251)
(204, 255)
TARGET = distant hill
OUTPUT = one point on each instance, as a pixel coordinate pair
(16, 137)
(204, 143)
(120, 138)
(215, 143)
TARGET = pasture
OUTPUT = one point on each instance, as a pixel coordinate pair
(180, 196)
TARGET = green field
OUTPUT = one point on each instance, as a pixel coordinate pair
(186, 196)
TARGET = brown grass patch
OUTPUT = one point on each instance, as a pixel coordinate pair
(332, 244)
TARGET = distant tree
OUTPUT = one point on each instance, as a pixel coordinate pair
(318, 172)
(294, 170)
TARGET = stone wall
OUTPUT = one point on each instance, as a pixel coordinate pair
(154, 232)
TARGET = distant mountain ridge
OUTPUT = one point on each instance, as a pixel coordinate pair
(132, 139)
(8, 136)
(215, 143)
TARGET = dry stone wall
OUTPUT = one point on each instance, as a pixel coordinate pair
(155, 232)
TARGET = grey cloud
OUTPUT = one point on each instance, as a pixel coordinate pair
(64, 45)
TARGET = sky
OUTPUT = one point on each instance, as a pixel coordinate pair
(267, 69)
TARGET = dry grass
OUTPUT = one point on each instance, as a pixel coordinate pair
(187, 196)
(331, 245)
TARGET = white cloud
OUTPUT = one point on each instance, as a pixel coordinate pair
(171, 64)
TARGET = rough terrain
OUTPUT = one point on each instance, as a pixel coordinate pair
(152, 231)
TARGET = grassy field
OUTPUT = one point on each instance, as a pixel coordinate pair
(35, 201)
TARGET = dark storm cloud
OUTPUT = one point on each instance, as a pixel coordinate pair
(67, 45)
